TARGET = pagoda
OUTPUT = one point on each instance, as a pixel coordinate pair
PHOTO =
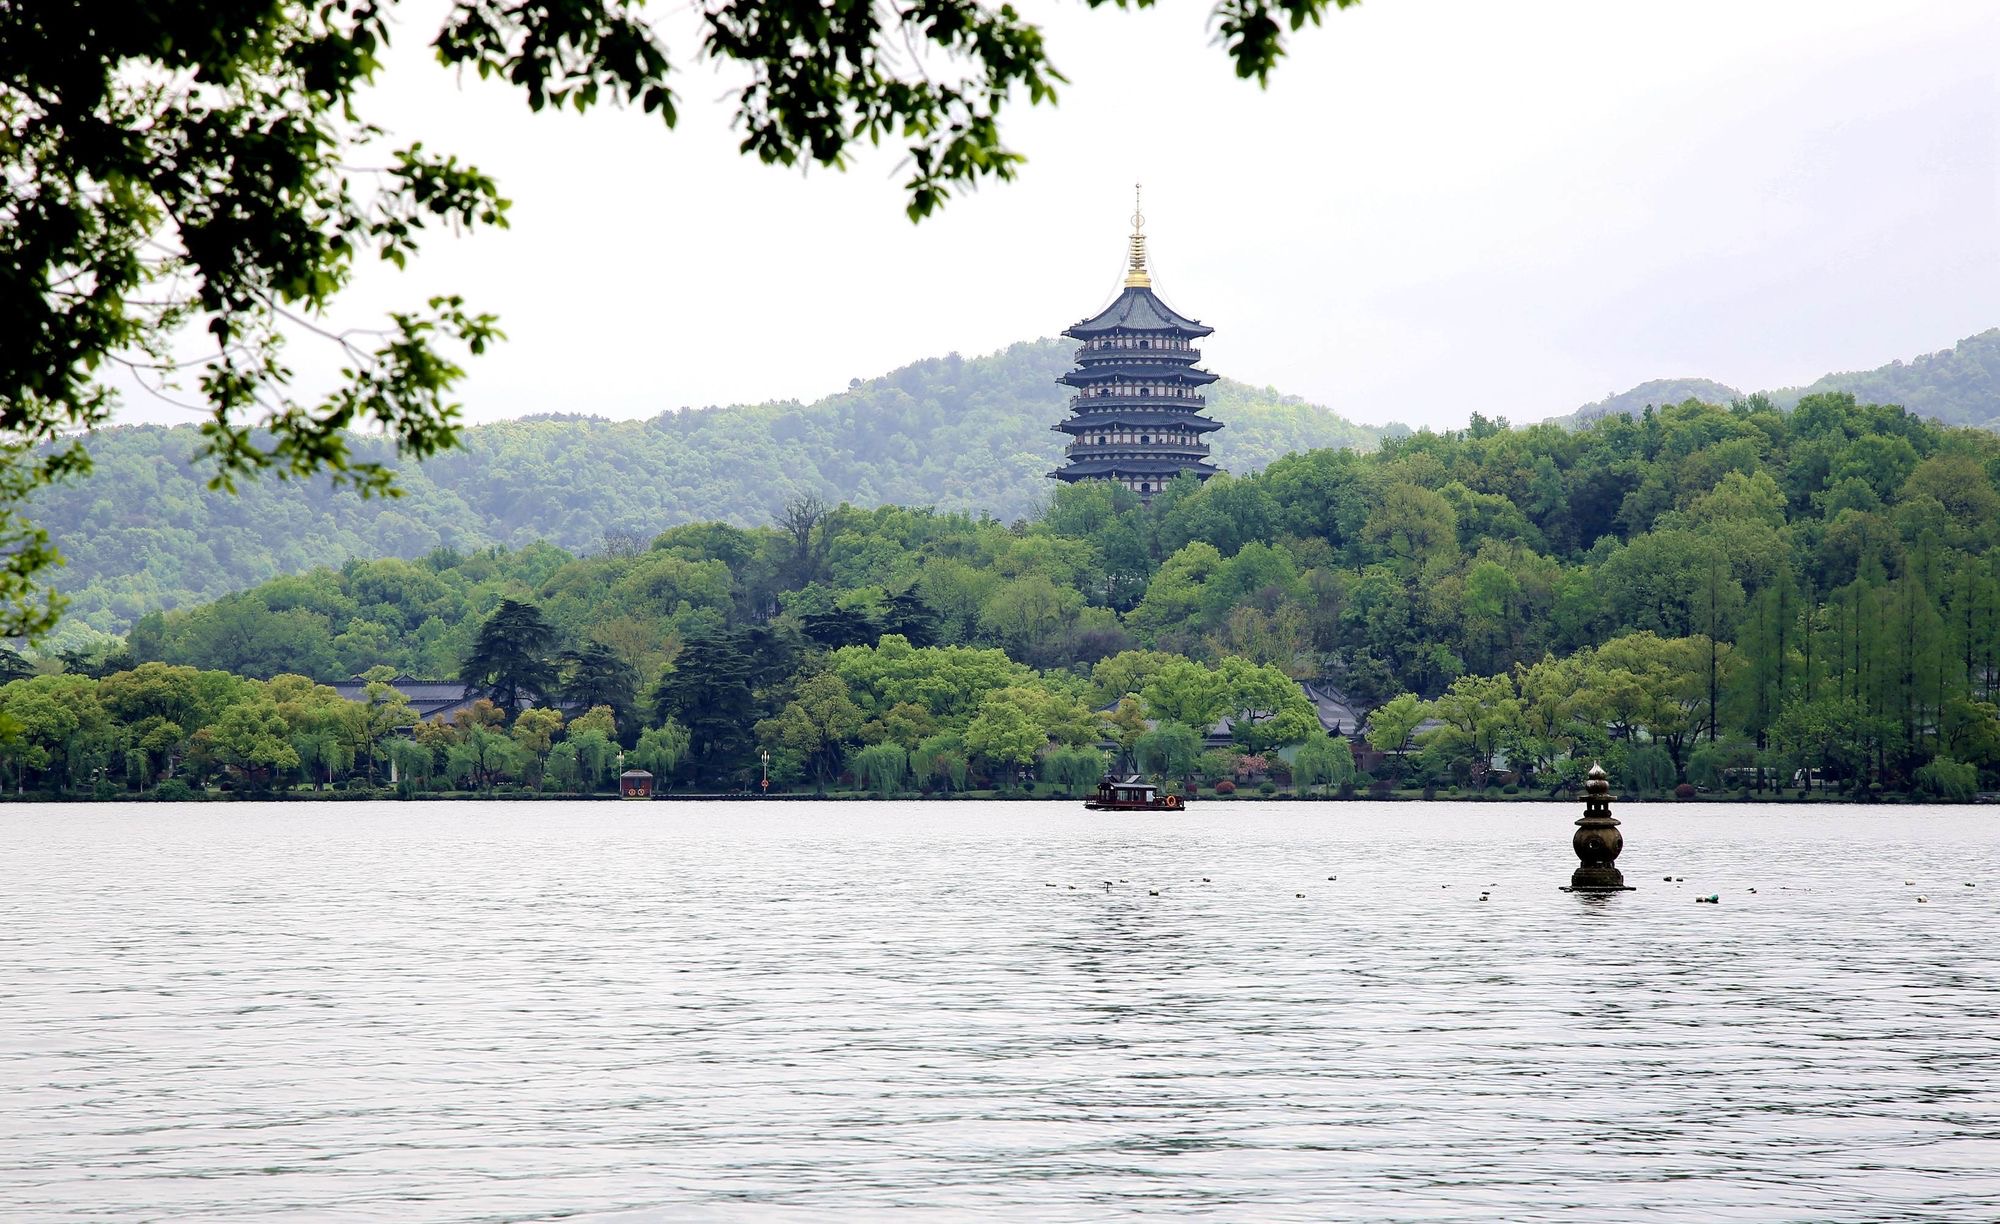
(1136, 415)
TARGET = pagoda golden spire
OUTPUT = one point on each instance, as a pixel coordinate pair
(1137, 276)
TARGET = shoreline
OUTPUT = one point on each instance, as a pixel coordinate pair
(1787, 799)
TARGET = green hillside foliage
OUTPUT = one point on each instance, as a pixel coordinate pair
(1653, 394)
(1699, 593)
(1959, 385)
(1956, 386)
(144, 533)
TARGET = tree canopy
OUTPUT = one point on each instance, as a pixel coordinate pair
(189, 166)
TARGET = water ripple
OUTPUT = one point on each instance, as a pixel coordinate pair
(798, 1011)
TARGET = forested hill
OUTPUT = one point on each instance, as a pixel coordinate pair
(1684, 596)
(1956, 386)
(971, 434)
(1654, 394)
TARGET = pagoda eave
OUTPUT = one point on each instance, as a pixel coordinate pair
(1137, 309)
(1089, 469)
(1090, 375)
(1156, 423)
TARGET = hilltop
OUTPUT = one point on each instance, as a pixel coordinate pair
(1955, 386)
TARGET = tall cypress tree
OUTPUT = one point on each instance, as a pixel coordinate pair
(510, 660)
(596, 675)
(708, 691)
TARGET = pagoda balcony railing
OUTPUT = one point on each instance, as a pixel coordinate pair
(1188, 354)
(1145, 361)
(1136, 450)
(1160, 403)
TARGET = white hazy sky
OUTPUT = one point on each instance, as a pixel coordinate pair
(1439, 206)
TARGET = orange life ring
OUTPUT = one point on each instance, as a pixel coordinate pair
(1173, 801)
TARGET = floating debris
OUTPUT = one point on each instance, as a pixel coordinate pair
(1922, 900)
(1298, 894)
(1152, 892)
(1710, 899)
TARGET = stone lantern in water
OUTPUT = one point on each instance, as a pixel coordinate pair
(1597, 839)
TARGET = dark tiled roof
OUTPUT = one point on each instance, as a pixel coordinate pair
(1090, 375)
(1137, 309)
(429, 698)
(1334, 708)
(1336, 713)
(1085, 421)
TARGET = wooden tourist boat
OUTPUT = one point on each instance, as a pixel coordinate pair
(1131, 795)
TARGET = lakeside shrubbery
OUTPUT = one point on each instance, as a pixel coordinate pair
(1705, 595)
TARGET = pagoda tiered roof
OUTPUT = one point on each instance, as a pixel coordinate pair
(1138, 308)
(1169, 468)
(1194, 422)
(1161, 372)
(1151, 397)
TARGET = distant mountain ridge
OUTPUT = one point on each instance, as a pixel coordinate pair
(962, 434)
(1956, 386)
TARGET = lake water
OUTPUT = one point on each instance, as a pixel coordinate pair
(809, 1011)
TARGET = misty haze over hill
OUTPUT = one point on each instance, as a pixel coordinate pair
(1957, 386)
(961, 434)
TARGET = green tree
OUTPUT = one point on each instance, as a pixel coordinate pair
(1028, 612)
(880, 767)
(509, 662)
(252, 739)
(387, 710)
(599, 719)
(1392, 725)
(1477, 713)
(1168, 751)
(595, 754)
(114, 256)
(482, 756)
(596, 675)
(940, 762)
(660, 750)
(1269, 707)
(535, 732)
(1074, 769)
(1648, 769)
(1323, 761)
(1948, 780)
(1005, 737)
(708, 691)
(59, 729)
(413, 765)
(818, 726)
